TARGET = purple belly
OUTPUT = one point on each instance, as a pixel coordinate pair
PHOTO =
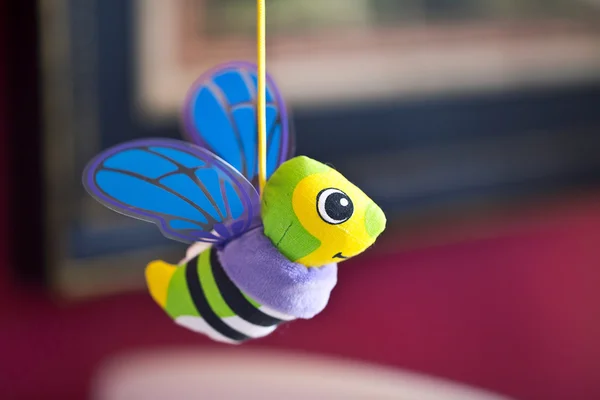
(263, 273)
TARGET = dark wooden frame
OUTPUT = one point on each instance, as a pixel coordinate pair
(27, 228)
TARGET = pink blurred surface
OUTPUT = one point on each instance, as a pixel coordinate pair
(515, 314)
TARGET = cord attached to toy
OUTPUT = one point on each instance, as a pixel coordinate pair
(261, 106)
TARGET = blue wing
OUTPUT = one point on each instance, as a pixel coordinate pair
(190, 193)
(220, 115)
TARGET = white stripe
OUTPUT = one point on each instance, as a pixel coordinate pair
(194, 250)
(198, 324)
(276, 314)
(247, 328)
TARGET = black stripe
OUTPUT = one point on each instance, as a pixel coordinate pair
(201, 303)
(234, 297)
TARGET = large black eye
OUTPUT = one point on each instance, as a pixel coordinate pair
(334, 206)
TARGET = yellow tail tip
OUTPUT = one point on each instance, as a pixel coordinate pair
(158, 277)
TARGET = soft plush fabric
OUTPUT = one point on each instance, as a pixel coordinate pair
(263, 273)
(315, 216)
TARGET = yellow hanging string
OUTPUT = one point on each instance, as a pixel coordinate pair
(262, 101)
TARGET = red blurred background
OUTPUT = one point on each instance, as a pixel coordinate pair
(512, 306)
(515, 313)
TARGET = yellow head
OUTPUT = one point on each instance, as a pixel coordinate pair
(315, 216)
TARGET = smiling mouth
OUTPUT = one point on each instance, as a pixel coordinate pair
(339, 255)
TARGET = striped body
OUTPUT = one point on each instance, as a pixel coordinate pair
(201, 297)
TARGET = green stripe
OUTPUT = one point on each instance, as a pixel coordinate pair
(210, 288)
(179, 301)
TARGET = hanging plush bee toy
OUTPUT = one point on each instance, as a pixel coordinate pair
(256, 261)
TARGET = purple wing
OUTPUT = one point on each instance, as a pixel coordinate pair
(191, 194)
(220, 115)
